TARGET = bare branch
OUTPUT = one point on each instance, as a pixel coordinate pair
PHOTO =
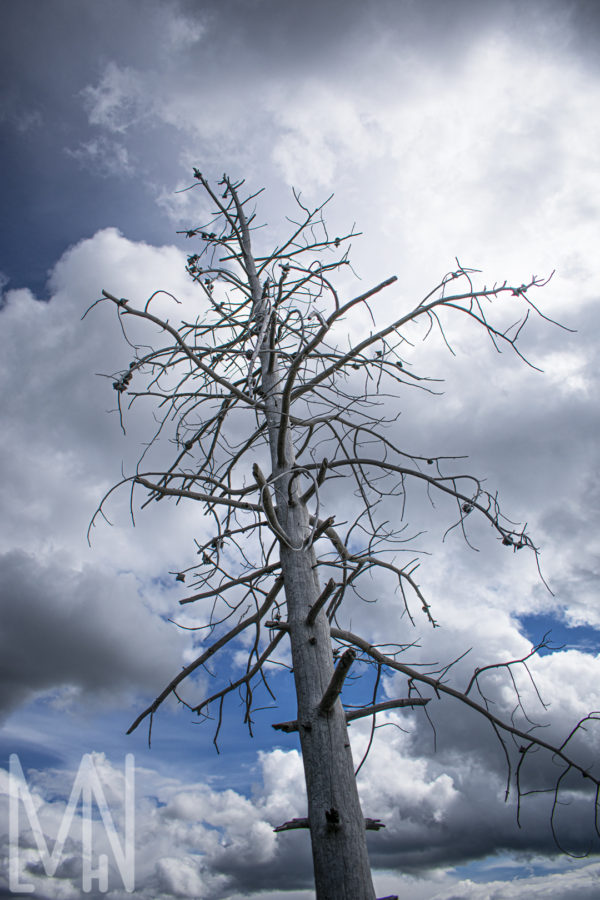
(334, 688)
(323, 598)
(351, 715)
(440, 688)
(204, 657)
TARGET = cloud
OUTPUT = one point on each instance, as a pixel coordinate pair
(191, 841)
(62, 445)
(194, 841)
(103, 156)
(488, 139)
(183, 31)
(579, 884)
(80, 612)
(64, 627)
(118, 101)
(444, 130)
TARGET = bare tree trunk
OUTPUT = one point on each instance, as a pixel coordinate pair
(337, 826)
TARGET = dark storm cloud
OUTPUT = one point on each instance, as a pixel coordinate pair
(52, 52)
(326, 34)
(78, 628)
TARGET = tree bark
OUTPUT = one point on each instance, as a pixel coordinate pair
(337, 826)
(337, 829)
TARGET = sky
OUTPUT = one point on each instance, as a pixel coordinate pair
(444, 130)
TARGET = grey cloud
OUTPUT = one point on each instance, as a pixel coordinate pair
(86, 629)
(102, 156)
(446, 807)
(207, 81)
(196, 841)
(579, 883)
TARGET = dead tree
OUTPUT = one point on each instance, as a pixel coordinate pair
(268, 403)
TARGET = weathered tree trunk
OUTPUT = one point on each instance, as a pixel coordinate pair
(337, 827)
